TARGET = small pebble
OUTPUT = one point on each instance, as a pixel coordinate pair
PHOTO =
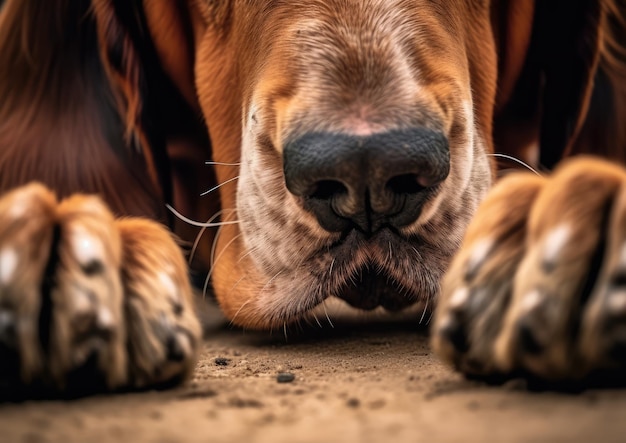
(353, 403)
(285, 377)
(221, 361)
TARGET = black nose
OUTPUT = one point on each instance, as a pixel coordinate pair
(368, 182)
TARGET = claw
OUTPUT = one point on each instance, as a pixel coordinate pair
(8, 330)
(80, 290)
(453, 332)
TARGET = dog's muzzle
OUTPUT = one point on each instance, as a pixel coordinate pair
(367, 189)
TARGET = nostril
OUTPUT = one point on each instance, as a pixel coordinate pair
(405, 184)
(370, 181)
(327, 189)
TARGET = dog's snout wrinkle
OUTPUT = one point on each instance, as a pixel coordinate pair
(366, 182)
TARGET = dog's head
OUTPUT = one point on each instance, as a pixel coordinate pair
(362, 129)
(361, 132)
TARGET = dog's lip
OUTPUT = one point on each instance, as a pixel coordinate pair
(367, 260)
(371, 289)
(355, 236)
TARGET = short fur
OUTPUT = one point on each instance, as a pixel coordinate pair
(127, 99)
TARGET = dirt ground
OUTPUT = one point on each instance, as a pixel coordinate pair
(352, 383)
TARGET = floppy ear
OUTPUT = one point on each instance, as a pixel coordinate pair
(170, 27)
(552, 89)
(132, 69)
(75, 106)
(147, 49)
(567, 43)
(604, 130)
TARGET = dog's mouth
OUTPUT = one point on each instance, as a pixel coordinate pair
(373, 288)
(381, 270)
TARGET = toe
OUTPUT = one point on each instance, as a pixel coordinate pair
(26, 232)
(477, 288)
(86, 321)
(164, 332)
(559, 269)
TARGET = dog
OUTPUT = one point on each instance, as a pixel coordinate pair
(346, 149)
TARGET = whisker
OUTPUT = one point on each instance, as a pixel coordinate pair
(205, 287)
(197, 223)
(424, 312)
(214, 246)
(353, 279)
(327, 316)
(237, 283)
(208, 277)
(196, 242)
(317, 320)
(332, 263)
(516, 160)
(270, 281)
(250, 251)
(219, 186)
(419, 256)
(222, 163)
(232, 321)
(214, 259)
(430, 317)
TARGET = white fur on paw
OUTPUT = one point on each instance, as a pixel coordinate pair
(555, 241)
(531, 300)
(87, 247)
(8, 264)
(479, 254)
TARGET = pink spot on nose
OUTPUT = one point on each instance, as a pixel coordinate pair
(361, 128)
(360, 121)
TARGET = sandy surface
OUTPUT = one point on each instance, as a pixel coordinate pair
(376, 383)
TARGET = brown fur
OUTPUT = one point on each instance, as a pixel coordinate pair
(128, 113)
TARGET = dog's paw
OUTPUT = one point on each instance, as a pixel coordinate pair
(164, 333)
(88, 301)
(539, 285)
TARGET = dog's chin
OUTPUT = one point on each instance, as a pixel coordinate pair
(384, 272)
